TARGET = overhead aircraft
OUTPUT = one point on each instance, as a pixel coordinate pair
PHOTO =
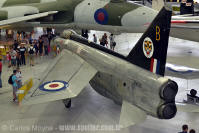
(88, 14)
(5, 3)
(116, 16)
(135, 81)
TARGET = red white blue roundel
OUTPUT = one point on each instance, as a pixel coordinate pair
(101, 16)
(56, 85)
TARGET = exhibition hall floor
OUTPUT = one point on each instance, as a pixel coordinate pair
(90, 108)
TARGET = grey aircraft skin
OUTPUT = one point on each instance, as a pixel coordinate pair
(136, 81)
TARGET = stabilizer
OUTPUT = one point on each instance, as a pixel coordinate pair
(150, 52)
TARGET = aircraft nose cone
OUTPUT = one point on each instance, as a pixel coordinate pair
(169, 91)
(167, 111)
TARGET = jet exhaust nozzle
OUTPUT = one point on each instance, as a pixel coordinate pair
(167, 111)
(169, 91)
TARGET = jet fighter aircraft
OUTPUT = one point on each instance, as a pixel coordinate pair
(136, 81)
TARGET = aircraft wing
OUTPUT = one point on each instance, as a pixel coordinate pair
(185, 27)
(26, 18)
(185, 17)
(185, 32)
(65, 78)
(181, 71)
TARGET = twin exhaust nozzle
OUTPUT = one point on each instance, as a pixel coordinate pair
(168, 93)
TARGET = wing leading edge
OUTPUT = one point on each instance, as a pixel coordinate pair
(67, 68)
(26, 18)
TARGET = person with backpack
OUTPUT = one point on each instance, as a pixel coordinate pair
(14, 82)
(31, 51)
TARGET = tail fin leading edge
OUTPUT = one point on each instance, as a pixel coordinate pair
(150, 52)
(157, 4)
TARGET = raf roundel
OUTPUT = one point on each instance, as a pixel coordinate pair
(101, 16)
(148, 47)
(53, 86)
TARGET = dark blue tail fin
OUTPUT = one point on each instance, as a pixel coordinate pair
(150, 52)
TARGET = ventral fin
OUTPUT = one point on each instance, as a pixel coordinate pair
(131, 115)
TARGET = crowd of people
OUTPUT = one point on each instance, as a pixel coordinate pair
(17, 54)
(28, 47)
(103, 41)
(185, 129)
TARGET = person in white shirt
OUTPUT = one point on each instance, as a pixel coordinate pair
(31, 51)
(112, 45)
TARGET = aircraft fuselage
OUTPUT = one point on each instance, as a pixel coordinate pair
(133, 84)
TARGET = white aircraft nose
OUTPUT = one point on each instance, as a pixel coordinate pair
(139, 17)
